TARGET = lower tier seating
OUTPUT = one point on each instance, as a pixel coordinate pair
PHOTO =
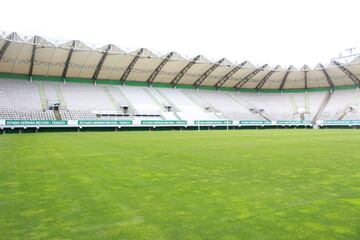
(24, 100)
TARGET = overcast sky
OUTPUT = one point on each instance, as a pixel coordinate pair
(261, 31)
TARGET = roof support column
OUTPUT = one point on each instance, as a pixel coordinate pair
(32, 59)
(4, 48)
(100, 64)
(283, 81)
(348, 73)
(130, 67)
(12, 37)
(305, 77)
(328, 79)
(68, 59)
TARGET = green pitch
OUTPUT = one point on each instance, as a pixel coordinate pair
(271, 184)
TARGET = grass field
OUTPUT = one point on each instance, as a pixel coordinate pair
(270, 184)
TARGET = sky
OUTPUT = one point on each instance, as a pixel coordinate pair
(285, 32)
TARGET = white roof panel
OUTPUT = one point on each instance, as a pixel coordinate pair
(237, 77)
(275, 80)
(194, 73)
(338, 77)
(295, 79)
(9, 59)
(143, 69)
(83, 64)
(216, 75)
(316, 78)
(170, 70)
(253, 82)
(23, 60)
(114, 66)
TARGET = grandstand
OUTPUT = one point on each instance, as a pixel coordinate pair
(70, 84)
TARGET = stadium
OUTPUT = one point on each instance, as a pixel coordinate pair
(98, 142)
(73, 85)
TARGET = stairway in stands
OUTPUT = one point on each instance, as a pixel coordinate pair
(322, 106)
(295, 108)
(211, 106)
(43, 98)
(293, 103)
(236, 99)
(153, 98)
(111, 98)
(307, 102)
(57, 115)
(156, 101)
(60, 97)
(193, 100)
(174, 108)
(349, 104)
(132, 109)
(200, 102)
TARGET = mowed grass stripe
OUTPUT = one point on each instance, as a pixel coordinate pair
(271, 184)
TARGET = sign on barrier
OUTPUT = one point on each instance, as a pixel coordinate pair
(288, 122)
(36, 122)
(163, 122)
(104, 122)
(254, 122)
(213, 122)
(342, 122)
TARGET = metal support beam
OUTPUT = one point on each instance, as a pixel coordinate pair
(8, 40)
(101, 62)
(348, 73)
(283, 81)
(158, 68)
(229, 75)
(131, 65)
(265, 79)
(184, 70)
(66, 67)
(203, 76)
(305, 76)
(4, 48)
(328, 79)
(249, 76)
(32, 57)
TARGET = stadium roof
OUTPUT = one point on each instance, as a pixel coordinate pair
(37, 56)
